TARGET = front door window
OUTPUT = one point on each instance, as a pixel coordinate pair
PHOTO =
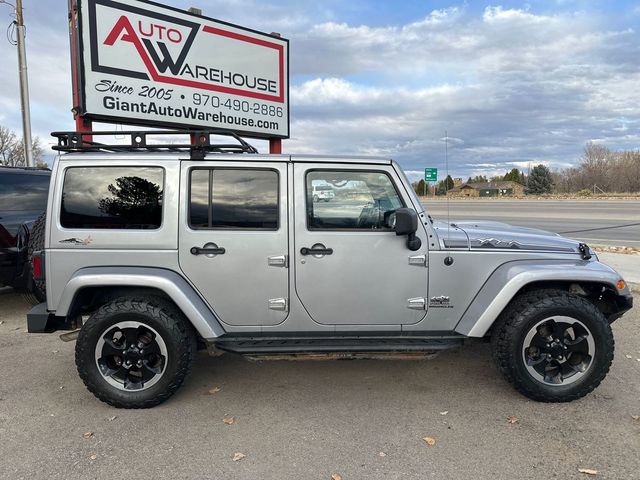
(360, 200)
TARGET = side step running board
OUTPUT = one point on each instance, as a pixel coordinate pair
(279, 345)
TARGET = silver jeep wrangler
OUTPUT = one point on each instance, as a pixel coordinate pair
(153, 251)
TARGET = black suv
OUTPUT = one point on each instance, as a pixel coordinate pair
(23, 198)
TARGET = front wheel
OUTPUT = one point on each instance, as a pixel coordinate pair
(135, 353)
(553, 346)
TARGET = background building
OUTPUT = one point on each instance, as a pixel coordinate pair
(488, 189)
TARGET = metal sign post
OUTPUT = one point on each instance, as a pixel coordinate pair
(24, 86)
(83, 124)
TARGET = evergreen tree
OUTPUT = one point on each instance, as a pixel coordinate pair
(540, 180)
(449, 182)
(478, 179)
(514, 175)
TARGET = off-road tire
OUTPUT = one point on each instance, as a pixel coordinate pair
(36, 243)
(171, 325)
(521, 315)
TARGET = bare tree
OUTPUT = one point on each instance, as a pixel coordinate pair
(601, 169)
(18, 157)
(625, 175)
(12, 150)
(595, 166)
(7, 145)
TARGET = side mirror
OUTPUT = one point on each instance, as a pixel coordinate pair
(389, 219)
(406, 223)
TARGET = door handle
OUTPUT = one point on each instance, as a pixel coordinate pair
(278, 261)
(278, 304)
(316, 251)
(419, 303)
(207, 251)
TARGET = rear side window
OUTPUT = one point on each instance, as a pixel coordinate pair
(233, 198)
(112, 197)
(23, 192)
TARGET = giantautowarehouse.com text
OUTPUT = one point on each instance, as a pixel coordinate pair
(185, 112)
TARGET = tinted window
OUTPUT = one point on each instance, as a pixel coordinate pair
(362, 200)
(23, 192)
(234, 198)
(112, 197)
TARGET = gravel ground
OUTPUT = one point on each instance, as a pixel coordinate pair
(309, 420)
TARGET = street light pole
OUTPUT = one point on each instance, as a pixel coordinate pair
(24, 86)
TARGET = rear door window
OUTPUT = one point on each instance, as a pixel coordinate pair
(112, 198)
(234, 198)
(23, 192)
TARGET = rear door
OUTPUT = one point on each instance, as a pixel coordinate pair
(363, 273)
(234, 239)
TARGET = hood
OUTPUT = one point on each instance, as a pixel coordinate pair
(497, 235)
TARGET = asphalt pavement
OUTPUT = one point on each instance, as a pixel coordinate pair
(603, 222)
(360, 419)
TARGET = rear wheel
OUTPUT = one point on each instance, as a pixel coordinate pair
(135, 353)
(553, 346)
(315, 199)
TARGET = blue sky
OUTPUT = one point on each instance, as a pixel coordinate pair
(512, 83)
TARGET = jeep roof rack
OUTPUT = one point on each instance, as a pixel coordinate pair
(200, 142)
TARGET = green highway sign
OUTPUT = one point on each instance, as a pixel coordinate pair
(430, 174)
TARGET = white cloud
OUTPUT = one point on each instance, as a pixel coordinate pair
(510, 84)
(498, 14)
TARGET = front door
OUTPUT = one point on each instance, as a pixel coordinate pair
(233, 239)
(351, 269)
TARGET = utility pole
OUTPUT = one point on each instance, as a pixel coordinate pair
(24, 85)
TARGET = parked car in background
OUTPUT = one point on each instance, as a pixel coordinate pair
(23, 198)
(322, 192)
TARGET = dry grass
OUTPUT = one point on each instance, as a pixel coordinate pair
(564, 196)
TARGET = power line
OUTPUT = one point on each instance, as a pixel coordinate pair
(603, 228)
(11, 34)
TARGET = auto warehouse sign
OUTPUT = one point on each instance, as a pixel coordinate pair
(148, 64)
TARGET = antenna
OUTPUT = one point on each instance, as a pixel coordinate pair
(446, 182)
